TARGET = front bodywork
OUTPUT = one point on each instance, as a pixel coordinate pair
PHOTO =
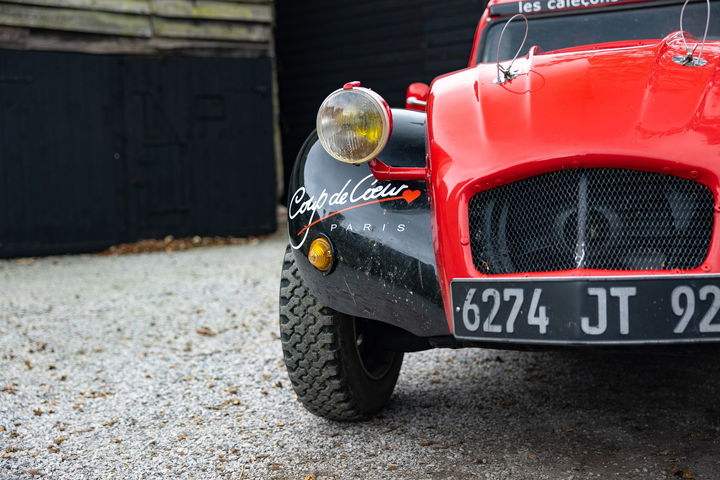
(401, 226)
(624, 107)
(380, 231)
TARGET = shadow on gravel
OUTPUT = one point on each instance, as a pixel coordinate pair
(640, 415)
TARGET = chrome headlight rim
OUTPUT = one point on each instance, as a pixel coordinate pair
(386, 116)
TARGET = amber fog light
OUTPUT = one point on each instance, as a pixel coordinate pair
(320, 254)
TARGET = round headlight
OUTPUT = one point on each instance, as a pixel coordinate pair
(354, 124)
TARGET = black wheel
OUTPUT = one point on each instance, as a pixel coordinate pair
(335, 363)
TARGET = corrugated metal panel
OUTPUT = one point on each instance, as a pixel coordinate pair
(136, 26)
(386, 44)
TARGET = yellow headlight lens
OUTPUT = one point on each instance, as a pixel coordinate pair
(354, 125)
(320, 254)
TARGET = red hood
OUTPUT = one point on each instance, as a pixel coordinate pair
(623, 106)
(620, 101)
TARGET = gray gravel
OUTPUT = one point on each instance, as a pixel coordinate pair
(169, 366)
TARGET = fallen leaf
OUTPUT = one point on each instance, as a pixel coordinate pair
(687, 474)
(206, 331)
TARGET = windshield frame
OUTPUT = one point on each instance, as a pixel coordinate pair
(492, 22)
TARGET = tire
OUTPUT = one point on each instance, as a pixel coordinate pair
(335, 365)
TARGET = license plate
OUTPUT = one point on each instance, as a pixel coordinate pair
(597, 310)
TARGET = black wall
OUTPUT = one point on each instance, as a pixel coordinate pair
(97, 150)
(386, 44)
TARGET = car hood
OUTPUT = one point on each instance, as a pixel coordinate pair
(622, 100)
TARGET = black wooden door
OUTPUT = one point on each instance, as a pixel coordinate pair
(61, 146)
(97, 150)
(199, 139)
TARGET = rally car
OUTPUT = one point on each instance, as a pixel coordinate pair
(563, 190)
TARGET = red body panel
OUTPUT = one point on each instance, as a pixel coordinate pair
(618, 105)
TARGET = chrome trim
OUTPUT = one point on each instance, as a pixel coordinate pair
(416, 102)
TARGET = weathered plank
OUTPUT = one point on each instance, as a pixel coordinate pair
(212, 10)
(75, 20)
(260, 2)
(193, 20)
(17, 38)
(138, 7)
(211, 30)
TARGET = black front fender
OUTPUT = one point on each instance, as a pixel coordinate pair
(380, 231)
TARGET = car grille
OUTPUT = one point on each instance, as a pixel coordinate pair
(610, 219)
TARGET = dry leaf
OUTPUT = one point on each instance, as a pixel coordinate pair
(687, 474)
(206, 331)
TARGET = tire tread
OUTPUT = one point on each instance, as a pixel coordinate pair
(309, 337)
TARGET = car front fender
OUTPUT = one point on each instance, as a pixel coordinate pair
(380, 232)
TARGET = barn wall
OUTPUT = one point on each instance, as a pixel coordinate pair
(206, 27)
(386, 44)
(101, 149)
(130, 119)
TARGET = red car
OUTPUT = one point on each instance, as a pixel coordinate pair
(567, 197)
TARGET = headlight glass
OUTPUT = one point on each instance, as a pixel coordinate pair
(354, 125)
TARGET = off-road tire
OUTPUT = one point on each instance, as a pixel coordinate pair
(322, 355)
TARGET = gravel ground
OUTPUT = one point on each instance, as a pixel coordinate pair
(169, 366)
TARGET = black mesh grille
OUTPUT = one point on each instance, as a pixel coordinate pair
(611, 219)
